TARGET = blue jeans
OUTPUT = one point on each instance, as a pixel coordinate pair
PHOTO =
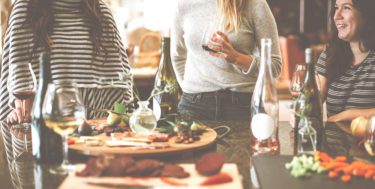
(218, 105)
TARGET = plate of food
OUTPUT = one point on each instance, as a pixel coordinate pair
(210, 171)
(102, 138)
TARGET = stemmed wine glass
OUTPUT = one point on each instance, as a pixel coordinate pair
(63, 112)
(21, 85)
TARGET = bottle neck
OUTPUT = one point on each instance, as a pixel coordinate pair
(310, 73)
(265, 62)
(143, 104)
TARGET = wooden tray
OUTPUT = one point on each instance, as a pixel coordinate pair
(207, 138)
(193, 181)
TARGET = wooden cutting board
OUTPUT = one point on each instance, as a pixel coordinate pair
(195, 179)
(206, 139)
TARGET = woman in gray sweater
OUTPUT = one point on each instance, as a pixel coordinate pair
(218, 81)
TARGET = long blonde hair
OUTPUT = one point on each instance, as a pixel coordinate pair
(230, 13)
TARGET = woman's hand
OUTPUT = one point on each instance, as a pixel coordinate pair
(15, 117)
(225, 50)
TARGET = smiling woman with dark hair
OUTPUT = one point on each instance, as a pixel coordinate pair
(347, 67)
(83, 45)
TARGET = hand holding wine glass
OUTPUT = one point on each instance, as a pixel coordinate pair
(22, 86)
(63, 112)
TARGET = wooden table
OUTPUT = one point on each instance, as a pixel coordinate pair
(235, 146)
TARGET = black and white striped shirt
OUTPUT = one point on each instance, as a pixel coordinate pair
(71, 56)
(355, 88)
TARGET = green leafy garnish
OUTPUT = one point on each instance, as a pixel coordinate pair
(119, 108)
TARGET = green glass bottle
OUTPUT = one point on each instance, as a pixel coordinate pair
(47, 148)
(166, 103)
(309, 103)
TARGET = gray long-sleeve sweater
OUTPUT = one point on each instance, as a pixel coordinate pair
(196, 70)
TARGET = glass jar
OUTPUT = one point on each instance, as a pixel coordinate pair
(306, 137)
(143, 120)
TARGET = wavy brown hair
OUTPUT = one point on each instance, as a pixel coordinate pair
(340, 55)
(41, 19)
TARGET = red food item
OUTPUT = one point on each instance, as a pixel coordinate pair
(333, 174)
(217, 179)
(159, 137)
(71, 141)
(210, 163)
(346, 178)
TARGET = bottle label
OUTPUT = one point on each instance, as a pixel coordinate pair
(156, 108)
(262, 126)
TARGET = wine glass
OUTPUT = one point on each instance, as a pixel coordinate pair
(209, 32)
(21, 85)
(63, 112)
(297, 80)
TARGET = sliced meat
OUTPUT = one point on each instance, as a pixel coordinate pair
(118, 166)
(147, 166)
(170, 170)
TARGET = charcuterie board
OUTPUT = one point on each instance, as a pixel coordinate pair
(207, 138)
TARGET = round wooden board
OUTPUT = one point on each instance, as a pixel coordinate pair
(207, 138)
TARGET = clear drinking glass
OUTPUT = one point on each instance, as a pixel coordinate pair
(297, 80)
(22, 85)
(209, 32)
(63, 112)
(306, 137)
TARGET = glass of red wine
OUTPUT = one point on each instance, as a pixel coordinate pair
(22, 86)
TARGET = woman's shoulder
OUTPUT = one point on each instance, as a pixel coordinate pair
(19, 11)
(20, 3)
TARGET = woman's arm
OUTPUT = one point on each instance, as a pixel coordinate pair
(322, 85)
(351, 114)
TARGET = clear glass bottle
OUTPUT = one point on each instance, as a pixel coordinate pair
(265, 108)
(143, 120)
(306, 138)
(165, 103)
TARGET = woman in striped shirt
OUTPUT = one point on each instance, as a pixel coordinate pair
(347, 67)
(83, 44)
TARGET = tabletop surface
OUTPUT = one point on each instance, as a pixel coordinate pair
(235, 146)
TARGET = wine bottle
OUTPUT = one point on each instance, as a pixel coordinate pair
(309, 104)
(166, 103)
(264, 107)
(47, 148)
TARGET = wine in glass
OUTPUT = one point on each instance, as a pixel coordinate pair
(21, 84)
(63, 112)
(207, 42)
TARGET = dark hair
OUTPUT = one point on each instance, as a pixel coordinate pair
(41, 18)
(339, 52)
